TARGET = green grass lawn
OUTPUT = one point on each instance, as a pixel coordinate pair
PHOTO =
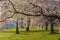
(33, 34)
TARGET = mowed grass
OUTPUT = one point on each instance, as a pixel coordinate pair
(33, 34)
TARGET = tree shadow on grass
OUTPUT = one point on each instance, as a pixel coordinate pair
(7, 31)
(31, 31)
(36, 31)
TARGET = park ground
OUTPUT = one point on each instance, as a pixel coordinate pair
(33, 34)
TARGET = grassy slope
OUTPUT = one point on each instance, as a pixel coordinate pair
(9, 34)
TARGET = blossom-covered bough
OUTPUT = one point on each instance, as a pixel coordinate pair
(50, 18)
(17, 12)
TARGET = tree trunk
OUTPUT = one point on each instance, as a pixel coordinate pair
(52, 28)
(59, 28)
(27, 29)
(42, 26)
(17, 29)
(21, 23)
(39, 27)
(46, 26)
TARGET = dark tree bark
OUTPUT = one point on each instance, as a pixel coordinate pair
(27, 29)
(21, 23)
(42, 26)
(17, 29)
(46, 26)
(52, 28)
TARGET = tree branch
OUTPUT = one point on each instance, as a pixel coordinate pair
(7, 18)
(47, 16)
(21, 12)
